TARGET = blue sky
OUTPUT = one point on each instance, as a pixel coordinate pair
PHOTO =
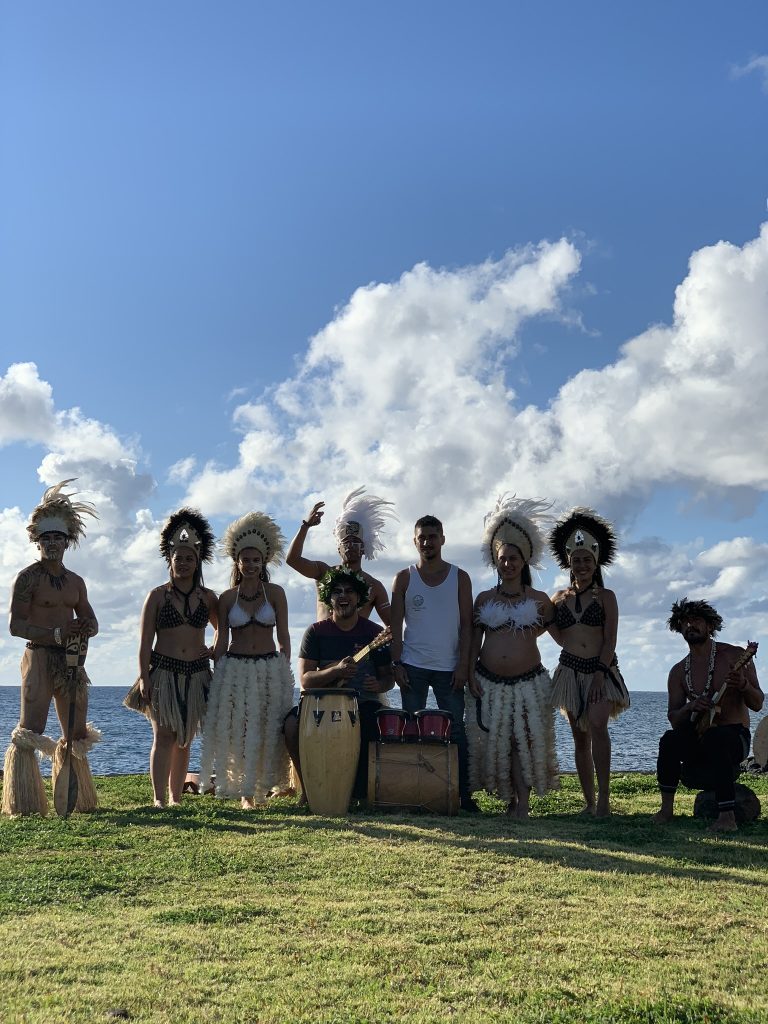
(190, 193)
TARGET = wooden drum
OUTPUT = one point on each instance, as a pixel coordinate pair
(329, 749)
(414, 776)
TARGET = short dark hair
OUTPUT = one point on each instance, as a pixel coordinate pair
(428, 521)
(685, 609)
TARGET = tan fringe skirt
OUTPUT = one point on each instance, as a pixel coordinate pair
(572, 681)
(179, 695)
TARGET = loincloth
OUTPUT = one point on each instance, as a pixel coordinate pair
(43, 666)
(572, 681)
(517, 713)
(179, 692)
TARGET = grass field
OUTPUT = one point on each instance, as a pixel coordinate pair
(208, 913)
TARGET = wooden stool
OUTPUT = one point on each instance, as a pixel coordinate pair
(747, 805)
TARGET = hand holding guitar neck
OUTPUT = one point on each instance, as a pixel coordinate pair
(707, 719)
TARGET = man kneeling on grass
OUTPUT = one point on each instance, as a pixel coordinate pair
(710, 757)
(325, 660)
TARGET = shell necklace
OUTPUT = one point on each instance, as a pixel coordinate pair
(710, 674)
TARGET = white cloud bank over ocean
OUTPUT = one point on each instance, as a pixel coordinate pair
(410, 391)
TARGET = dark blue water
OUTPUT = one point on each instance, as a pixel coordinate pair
(127, 736)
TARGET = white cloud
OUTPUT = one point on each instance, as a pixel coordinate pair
(758, 65)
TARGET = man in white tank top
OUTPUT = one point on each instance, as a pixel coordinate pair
(433, 600)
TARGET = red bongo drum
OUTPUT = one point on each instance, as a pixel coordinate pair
(391, 722)
(434, 726)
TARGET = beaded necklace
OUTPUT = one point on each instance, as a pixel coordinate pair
(710, 674)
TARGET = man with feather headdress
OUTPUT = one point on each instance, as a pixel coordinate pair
(357, 531)
(49, 604)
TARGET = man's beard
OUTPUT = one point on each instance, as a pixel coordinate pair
(696, 638)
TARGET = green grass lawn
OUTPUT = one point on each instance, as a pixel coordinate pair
(208, 913)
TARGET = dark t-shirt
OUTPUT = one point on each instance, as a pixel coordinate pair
(326, 644)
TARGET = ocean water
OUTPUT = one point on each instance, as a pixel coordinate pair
(127, 736)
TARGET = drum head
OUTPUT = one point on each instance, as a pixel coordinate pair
(760, 743)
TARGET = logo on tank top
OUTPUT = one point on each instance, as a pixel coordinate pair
(418, 600)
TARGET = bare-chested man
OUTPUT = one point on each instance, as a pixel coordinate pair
(709, 759)
(49, 603)
(357, 531)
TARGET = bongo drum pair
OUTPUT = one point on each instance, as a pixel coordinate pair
(429, 726)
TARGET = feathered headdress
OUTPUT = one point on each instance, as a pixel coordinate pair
(340, 574)
(255, 530)
(187, 528)
(582, 529)
(58, 512)
(517, 521)
(685, 609)
(364, 516)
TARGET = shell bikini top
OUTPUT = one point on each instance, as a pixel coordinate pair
(502, 615)
(593, 615)
(169, 616)
(239, 618)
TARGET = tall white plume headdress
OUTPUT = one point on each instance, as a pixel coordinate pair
(364, 516)
(518, 521)
(255, 530)
(57, 512)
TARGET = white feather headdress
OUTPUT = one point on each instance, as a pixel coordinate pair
(364, 516)
(518, 521)
(255, 530)
(57, 512)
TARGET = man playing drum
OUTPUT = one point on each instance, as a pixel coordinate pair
(357, 532)
(693, 750)
(325, 661)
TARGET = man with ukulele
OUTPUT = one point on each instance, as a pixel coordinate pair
(707, 754)
(325, 661)
(49, 604)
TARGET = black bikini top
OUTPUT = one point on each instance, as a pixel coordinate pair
(593, 615)
(169, 616)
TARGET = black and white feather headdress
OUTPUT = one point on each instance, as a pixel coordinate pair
(187, 528)
(582, 529)
(364, 516)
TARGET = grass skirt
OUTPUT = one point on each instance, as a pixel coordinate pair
(179, 696)
(518, 715)
(243, 741)
(570, 691)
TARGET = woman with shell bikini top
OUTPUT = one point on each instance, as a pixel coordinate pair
(252, 686)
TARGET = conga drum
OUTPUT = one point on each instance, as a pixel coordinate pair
(329, 749)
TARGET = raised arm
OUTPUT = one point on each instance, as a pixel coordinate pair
(313, 570)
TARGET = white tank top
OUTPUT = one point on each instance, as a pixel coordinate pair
(431, 637)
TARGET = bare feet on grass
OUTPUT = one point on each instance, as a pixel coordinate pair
(726, 822)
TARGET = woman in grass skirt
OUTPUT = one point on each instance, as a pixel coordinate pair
(252, 687)
(174, 669)
(511, 729)
(588, 686)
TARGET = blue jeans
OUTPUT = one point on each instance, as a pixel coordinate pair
(415, 699)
